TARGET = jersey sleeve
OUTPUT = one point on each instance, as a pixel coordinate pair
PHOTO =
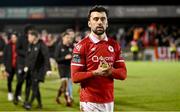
(78, 64)
(119, 70)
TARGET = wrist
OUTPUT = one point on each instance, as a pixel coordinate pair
(94, 73)
(110, 71)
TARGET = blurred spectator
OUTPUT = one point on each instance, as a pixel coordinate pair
(73, 41)
(51, 44)
(44, 36)
(78, 37)
(134, 50)
(22, 48)
(71, 35)
(3, 42)
(63, 56)
(149, 35)
(173, 51)
(38, 66)
(2, 45)
(10, 62)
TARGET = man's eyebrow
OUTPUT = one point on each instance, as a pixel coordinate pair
(99, 17)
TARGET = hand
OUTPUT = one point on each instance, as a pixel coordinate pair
(1, 53)
(48, 73)
(6, 74)
(68, 56)
(3, 68)
(26, 69)
(103, 69)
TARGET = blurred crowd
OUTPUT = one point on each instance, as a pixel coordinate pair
(139, 37)
(32, 55)
(149, 35)
(134, 37)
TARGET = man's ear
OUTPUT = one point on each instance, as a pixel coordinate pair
(89, 24)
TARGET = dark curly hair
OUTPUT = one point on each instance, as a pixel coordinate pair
(97, 9)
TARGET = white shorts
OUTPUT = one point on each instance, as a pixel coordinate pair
(96, 107)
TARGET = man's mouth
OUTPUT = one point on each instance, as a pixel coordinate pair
(100, 28)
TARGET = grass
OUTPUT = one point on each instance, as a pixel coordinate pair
(150, 86)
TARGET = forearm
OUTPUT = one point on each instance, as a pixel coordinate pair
(81, 76)
(119, 73)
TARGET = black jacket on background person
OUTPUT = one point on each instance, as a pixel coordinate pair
(60, 52)
(52, 49)
(2, 45)
(7, 58)
(21, 47)
(37, 60)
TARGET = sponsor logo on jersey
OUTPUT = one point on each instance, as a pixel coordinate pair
(76, 58)
(97, 59)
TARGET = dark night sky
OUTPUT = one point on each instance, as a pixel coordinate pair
(6, 3)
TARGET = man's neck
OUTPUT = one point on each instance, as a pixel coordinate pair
(66, 44)
(99, 37)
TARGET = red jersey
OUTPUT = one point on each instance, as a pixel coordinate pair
(86, 56)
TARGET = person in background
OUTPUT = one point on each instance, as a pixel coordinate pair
(10, 62)
(38, 67)
(51, 44)
(135, 50)
(173, 51)
(2, 45)
(71, 34)
(74, 38)
(21, 48)
(44, 36)
(63, 55)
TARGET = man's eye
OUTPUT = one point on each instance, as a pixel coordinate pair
(102, 19)
(96, 19)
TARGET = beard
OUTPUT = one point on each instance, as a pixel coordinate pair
(99, 30)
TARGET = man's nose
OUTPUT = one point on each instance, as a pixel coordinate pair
(99, 21)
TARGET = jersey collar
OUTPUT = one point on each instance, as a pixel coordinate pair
(95, 40)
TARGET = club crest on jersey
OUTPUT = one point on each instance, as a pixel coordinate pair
(78, 47)
(111, 49)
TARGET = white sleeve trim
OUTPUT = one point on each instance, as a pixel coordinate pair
(120, 61)
(77, 64)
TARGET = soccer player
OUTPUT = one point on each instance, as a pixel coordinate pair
(96, 62)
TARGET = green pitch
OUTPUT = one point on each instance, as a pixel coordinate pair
(150, 86)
